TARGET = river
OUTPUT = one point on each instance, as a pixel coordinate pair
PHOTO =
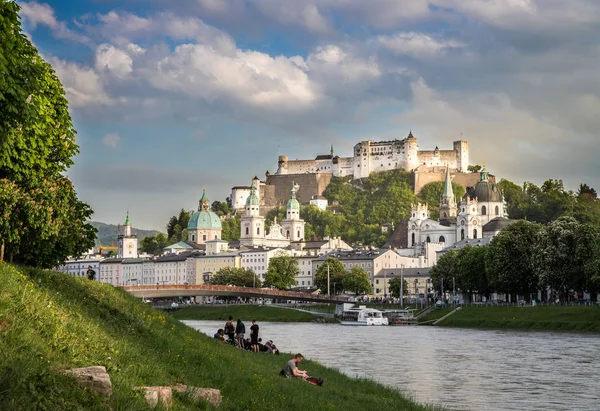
(460, 369)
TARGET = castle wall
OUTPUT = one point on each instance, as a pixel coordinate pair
(277, 189)
(426, 175)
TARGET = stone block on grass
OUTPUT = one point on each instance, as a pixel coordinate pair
(157, 395)
(210, 395)
(94, 378)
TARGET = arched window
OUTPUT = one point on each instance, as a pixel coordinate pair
(257, 230)
(445, 215)
(428, 239)
(462, 234)
(215, 237)
(497, 210)
(484, 210)
(413, 238)
(287, 234)
(298, 234)
(442, 239)
(475, 233)
(193, 238)
(247, 231)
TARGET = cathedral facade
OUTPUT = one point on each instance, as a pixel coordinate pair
(475, 216)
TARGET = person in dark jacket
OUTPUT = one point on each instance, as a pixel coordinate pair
(240, 330)
(230, 328)
(254, 332)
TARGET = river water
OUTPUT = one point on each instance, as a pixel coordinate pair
(459, 369)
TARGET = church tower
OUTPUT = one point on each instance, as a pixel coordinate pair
(293, 225)
(252, 224)
(419, 213)
(468, 222)
(448, 208)
(127, 243)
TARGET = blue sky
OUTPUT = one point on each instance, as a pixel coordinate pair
(170, 96)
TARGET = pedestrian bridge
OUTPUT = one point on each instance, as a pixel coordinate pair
(184, 290)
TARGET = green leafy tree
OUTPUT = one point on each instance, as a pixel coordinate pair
(357, 281)
(231, 228)
(510, 260)
(468, 271)
(565, 255)
(154, 244)
(431, 194)
(43, 222)
(282, 271)
(220, 208)
(394, 286)
(474, 168)
(240, 277)
(171, 226)
(443, 271)
(337, 272)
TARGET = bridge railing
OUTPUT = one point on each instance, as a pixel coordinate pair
(227, 288)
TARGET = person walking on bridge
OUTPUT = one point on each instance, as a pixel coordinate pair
(254, 332)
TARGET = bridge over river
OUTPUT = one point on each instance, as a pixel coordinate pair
(184, 290)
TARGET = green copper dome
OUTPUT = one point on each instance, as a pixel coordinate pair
(204, 219)
(252, 198)
(293, 204)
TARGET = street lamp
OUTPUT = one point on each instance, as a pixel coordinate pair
(384, 286)
(401, 285)
(328, 289)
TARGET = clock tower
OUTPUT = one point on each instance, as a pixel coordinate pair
(128, 243)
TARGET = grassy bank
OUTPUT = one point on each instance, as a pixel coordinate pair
(244, 312)
(550, 318)
(50, 321)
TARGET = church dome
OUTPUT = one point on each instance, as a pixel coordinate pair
(252, 198)
(484, 191)
(293, 203)
(204, 219)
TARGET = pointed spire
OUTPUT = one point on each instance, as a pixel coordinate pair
(293, 191)
(448, 192)
(410, 135)
(127, 222)
(332, 150)
(204, 201)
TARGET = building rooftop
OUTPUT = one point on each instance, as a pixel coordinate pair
(406, 272)
(353, 255)
(473, 242)
(112, 260)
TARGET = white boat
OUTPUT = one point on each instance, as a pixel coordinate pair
(399, 317)
(363, 316)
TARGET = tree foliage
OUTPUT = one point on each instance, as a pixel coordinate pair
(337, 272)
(357, 281)
(154, 244)
(431, 194)
(282, 271)
(42, 221)
(177, 226)
(240, 277)
(394, 286)
(231, 228)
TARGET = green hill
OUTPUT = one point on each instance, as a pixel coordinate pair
(50, 321)
(107, 233)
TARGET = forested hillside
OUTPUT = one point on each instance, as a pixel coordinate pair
(107, 233)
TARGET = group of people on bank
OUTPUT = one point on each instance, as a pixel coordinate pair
(235, 334)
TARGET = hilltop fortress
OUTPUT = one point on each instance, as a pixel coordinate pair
(311, 177)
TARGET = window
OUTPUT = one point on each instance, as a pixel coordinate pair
(462, 234)
(215, 236)
(203, 237)
(413, 238)
(193, 238)
(428, 239)
(475, 233)
(497, 210)
(287, 234)
(442, 239)
(484, 210)
(298, 233)
(257, 230)
(247, 231)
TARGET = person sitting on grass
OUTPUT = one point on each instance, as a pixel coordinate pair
(291, 368)
(220, 335)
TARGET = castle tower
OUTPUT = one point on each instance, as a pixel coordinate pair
(282, 165)
(412, 152)
(127, 243)
(448, 208)
(461, 148)
(293, 225)
(252, 224)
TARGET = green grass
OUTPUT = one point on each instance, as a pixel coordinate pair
(50, 321)
(436, 314)
(546, 318)
(244, 312)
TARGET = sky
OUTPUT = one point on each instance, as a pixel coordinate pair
(169, 97)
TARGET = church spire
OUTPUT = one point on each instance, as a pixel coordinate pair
(448, 192)
(331, 150)
(204, 201)
(484, 175)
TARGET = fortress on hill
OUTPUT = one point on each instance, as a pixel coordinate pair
(311, 177)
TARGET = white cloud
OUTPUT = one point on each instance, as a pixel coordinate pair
(418, 45)
(295, 13)
(111, 140)
(114, 60)
(36, 13)
(83, 85)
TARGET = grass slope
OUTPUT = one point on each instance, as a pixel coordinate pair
(244, 312)
(50, 321)
(546, 318)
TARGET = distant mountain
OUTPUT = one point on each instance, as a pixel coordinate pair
(107, 233)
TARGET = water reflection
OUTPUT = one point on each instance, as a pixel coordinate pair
(459, 369)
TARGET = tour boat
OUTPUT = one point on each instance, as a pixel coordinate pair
(400, 317)
(363, 316)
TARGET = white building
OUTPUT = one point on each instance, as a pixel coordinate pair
(111, 271)
(377, 156)
(257, 259)
(127, 242)
(133, 271)
(78, 266)
(320, 202)
(306, 275)
(171, 269)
